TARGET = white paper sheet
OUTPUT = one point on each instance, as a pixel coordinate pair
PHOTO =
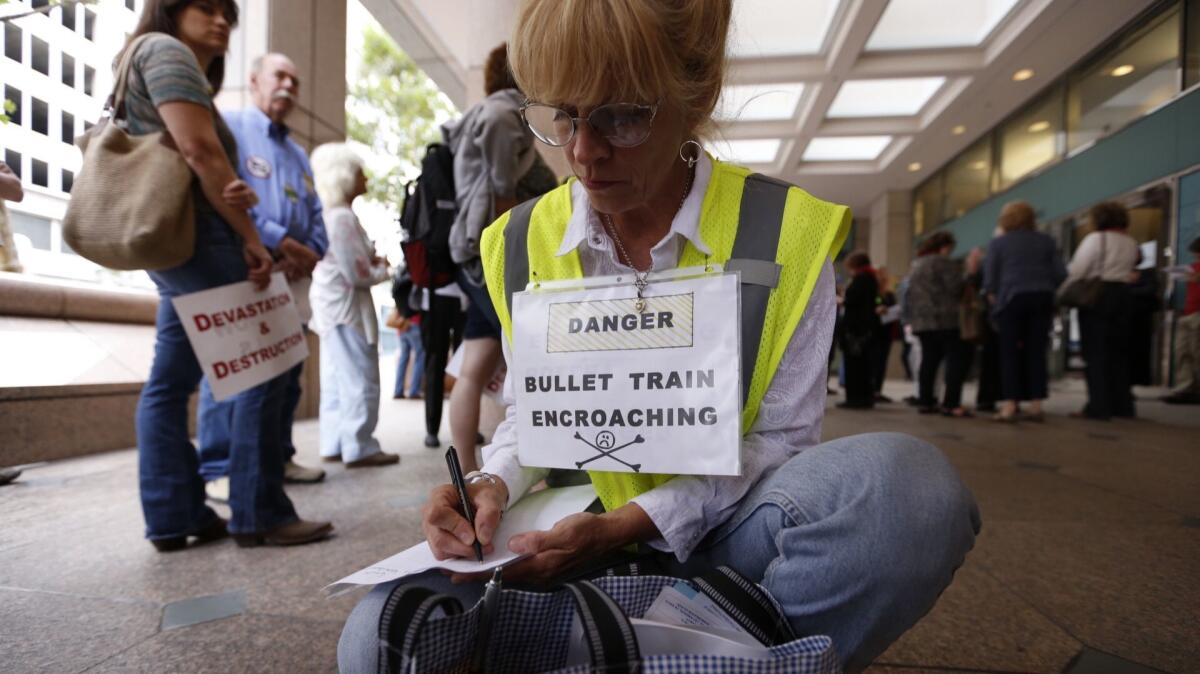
(538, 511)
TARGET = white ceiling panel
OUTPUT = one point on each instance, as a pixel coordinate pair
(759, 102)
(937, 24)
(899, 97)
(846, 148)
(764, 28)
(755, 151)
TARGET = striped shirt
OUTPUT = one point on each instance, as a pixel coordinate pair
(165, 71)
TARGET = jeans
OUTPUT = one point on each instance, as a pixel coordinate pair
(856, 538)
(1104, 332)
(172, 491)
(349, 394)
(410, 345)
(214, 419)
(937, 345)
(441, 328)
(1024, 338)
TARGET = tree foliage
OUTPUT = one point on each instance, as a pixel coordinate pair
(396, 110)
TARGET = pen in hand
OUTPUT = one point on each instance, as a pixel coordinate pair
(456, 476)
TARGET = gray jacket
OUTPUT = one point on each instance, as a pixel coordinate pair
(492, 149)
(935, 288)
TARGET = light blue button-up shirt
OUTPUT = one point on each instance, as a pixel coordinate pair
(278, 170)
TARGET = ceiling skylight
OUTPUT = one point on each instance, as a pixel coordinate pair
(884, 98)
(780, 27)
(933, 24)
(759, 102)
(758, 151)
(846, 148)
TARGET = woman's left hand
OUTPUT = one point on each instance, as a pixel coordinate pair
(572, 541)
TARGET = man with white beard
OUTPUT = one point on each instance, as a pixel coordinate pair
(288, 218)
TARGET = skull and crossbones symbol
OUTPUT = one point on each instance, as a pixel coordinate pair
(606, 445)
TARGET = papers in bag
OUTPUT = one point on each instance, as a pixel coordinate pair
(536, 512)
(681, 604)
(243, 336)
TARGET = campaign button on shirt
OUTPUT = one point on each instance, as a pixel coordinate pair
(258, 167)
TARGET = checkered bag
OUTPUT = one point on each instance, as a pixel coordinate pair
(522, 632)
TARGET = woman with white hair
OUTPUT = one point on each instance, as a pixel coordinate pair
(344, 315)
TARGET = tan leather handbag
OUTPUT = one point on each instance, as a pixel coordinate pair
(131, 204)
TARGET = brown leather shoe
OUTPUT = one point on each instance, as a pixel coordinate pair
(380, 459)
(293, 533)
(336, 458)
(213, 532)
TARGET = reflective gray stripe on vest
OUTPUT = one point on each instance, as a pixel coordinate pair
(760, 221)
(516, 251)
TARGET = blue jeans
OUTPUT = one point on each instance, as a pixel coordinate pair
(214, 420)
(349, 394)
(172, 490)
(410, 344)
(856, 538)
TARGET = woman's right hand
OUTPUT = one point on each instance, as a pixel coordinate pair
(239, 195)
(448, 532)
(258, 262)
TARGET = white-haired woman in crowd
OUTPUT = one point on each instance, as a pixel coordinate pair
(344, 315)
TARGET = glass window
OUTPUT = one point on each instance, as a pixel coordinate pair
(13, 159)
(87, 126)
(37, 229)
(927, 205)
(68, 70)
(1191, 41)
(130, 5)
(12, 41)
(40, 117)
(1031, 139)
(89, 80)
(40, 171)
(41, 4)
(967, 182)
(13, 95)
(1124, 82)
(68, 180)
(89, 24)
(68, 15)
(68, 128)
(40, 55)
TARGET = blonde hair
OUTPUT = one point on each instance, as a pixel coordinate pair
(1017, 215)
(590, 52)
(335, 171)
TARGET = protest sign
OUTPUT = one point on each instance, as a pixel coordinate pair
(601, 386)
(243, 336)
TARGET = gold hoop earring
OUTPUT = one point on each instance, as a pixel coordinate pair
(690, 161)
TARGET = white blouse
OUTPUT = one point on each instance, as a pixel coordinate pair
(341, 286)
(1120, 257)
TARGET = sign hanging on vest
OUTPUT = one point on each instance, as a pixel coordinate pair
(600, 386)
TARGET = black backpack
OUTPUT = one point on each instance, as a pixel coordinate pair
(426, 217)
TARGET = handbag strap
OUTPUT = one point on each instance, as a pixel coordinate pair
(747, 603)
(405, 613)
(116, 101)
(607, 630)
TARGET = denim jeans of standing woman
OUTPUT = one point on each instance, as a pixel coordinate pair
(172, 490)
(410, 348)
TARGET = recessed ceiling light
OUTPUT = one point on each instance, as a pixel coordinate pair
(958, 130)
(1122, 71)
(1022, 75)
(1038, 127)
(978, 165)
(914, 167)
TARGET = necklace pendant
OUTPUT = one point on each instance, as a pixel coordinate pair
(639, 305)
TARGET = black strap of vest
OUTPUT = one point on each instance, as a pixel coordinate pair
(760, 221)
(516, 251)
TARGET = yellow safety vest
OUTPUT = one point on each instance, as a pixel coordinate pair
(776, 234)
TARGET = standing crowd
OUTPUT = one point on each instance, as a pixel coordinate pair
(994, 310)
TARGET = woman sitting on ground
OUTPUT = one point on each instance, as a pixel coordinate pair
(856, 537)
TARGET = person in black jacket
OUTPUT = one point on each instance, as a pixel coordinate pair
(860, 332)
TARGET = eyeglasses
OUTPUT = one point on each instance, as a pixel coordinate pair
(622, 124)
